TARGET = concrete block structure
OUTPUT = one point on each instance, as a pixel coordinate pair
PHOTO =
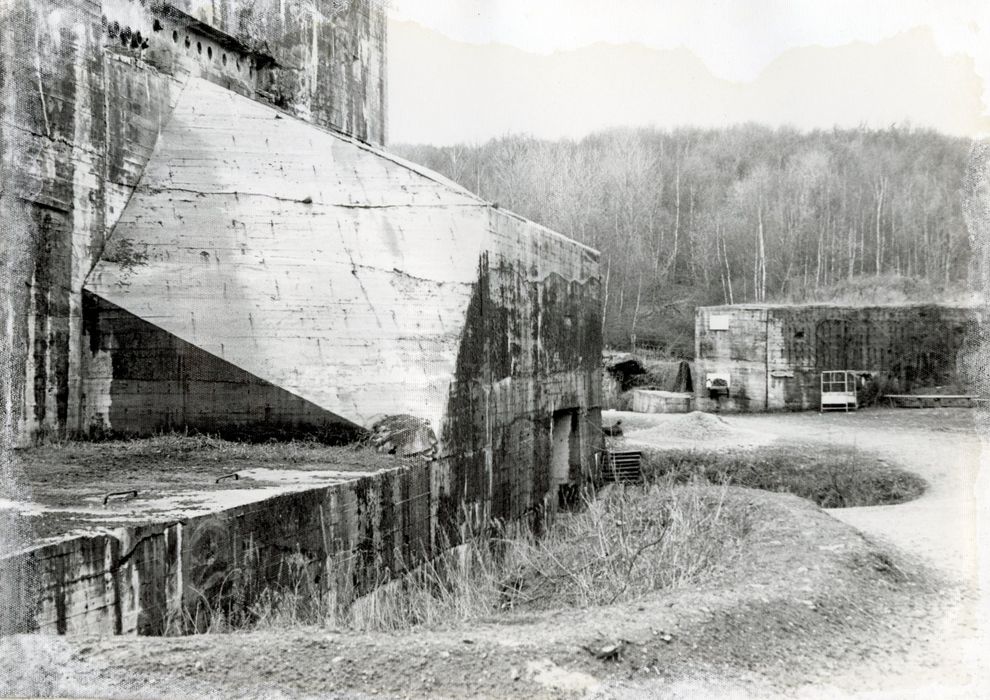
(173, 561)
(772, 356)
(204, 232)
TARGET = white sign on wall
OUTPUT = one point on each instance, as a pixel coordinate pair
(718, 322)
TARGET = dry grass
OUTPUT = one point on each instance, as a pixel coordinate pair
(189, 448)
(60, 473)
(627, 543)
(623, 545)
(832, 477)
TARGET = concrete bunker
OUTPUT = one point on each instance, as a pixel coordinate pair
(772, 357)
(215, 240)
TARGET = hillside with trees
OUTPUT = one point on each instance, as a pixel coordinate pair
(744, 214)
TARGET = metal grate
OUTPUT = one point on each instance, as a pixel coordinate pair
(626, 467)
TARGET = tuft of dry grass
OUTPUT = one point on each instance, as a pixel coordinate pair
(627, 543)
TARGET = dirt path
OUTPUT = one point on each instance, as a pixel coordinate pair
(940, 445)
(942, 529)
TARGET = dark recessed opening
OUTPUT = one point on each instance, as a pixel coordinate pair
(223, 59)
(157, 26)
(199, 47)
(188, 44)
(175, 37)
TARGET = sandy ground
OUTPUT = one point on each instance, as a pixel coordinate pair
(811, 608)
(940, 445)
(946, 528)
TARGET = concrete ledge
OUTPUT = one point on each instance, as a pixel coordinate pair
(168, 574)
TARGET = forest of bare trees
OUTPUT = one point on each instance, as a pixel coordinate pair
(744, 214)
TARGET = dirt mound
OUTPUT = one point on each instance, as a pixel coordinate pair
(695, 429)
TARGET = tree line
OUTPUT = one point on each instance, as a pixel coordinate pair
(743, 214)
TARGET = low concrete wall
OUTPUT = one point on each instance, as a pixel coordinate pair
(340, 540)
(650, 401)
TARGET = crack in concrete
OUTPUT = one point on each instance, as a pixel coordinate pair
(305, 200)
(123, 559)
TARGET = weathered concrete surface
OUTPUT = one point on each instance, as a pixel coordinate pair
(360, 284)
(775, 354)
(323, 61)
(85, 88)
(654, 401)
(204, 239)
(170, 563)
(139, 379)
(299, 256)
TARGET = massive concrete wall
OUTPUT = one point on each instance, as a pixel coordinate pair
(361, 286)
(775, 354)
(196, 244)
(528, 366)
(322, 61)
(138, 379)
(85, 88)
(52, 160)
(308, 260)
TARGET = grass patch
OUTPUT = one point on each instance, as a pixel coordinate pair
(193, 449)
(60, 473)
(625, 544)
(832, 477)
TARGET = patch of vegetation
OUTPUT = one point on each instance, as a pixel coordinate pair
(832, 477)
(870, 290)
(180, 447)
(122, 252)
(59, 473)
(625, 544)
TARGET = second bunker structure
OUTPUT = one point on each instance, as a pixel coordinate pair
(770, 357)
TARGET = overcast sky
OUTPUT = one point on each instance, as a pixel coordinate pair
(739, 53)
